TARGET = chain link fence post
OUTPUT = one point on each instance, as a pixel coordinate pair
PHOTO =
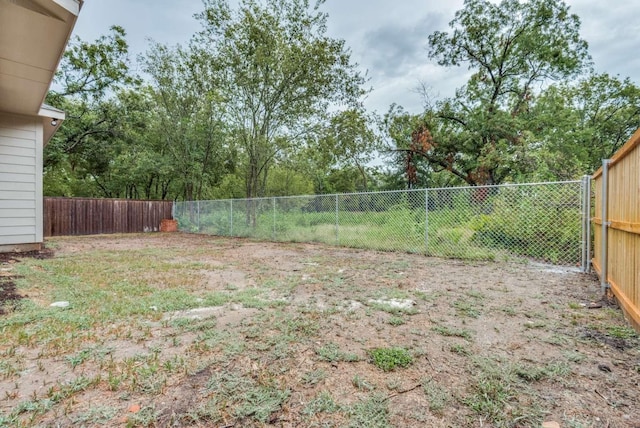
(337, 222)
(426, 221)
(586, 223)
(231, 217)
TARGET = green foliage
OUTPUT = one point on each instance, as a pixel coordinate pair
(582, 122)
(276, 71)
(347, 144)
(286, 181)
(483, 134)
(389, 359)
(540, 225)
(94, 87)
(264, 102)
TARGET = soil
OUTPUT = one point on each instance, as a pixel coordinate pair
(8, 292)
(470, 322)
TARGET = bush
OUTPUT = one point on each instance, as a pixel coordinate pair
(535, 224)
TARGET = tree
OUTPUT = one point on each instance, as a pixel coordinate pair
(190, 128)
(408, 142)
(348, 141)
(86, 87)
(580, 123)
(514, 49)
(277, 73)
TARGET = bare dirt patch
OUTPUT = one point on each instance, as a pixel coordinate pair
(232, 332)
(8, 291)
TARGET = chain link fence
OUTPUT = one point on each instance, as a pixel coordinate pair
(545, 222)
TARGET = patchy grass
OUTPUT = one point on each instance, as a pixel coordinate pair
(332, 353)
(452, 332)
(389, 359)
(372, 411)
(181, 330)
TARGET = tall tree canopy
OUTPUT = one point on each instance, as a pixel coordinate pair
(581, 122)
(263, 102)
(513, 49)
(189, 114)
(91, 77)
(277, 73)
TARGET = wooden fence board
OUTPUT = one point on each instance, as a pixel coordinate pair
(85, 216)
(623, 227)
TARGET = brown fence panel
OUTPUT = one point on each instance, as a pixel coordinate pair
(619, 260)
(85, 216)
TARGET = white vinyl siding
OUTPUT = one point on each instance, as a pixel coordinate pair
(20, 180)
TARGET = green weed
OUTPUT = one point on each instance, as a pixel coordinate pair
(323, 402)
(500, 392)
(331, 352)
(372, 412)
(621, 332)
(437, 396)
(95, 415)
(460, 350)
(314, 377)
(361, 383)
(260, 402)
(389, 359)
(396, 321)
(452, 332)
(466, 308)
(146, 417)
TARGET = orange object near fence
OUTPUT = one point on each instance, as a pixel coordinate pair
(168, 225)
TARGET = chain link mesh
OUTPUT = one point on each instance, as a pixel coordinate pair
(537, 221)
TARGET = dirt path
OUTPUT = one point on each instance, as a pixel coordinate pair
(291, 342)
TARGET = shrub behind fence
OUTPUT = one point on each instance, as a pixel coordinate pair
(541, 221)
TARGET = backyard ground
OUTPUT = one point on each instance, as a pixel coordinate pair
(185, 330)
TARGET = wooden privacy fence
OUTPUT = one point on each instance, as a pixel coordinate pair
(617, 226)
(83, 216)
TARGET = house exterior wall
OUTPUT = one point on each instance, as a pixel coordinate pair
(21, 202)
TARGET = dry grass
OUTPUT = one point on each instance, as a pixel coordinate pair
(183, 330)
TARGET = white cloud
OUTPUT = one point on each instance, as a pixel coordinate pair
(386, 38)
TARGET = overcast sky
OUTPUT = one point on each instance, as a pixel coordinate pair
(388, 38)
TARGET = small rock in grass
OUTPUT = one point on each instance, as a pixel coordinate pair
(353, 305)
(604, 368)
(61, 304)
(550, 424)
(396, 303)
